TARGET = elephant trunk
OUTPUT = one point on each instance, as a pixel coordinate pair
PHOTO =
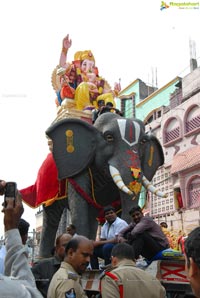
(118, 180)
(149, 186)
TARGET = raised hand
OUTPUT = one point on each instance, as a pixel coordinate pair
(2, 187)
(67, 42)
(13, 212)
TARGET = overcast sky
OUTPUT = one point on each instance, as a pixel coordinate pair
(129, 39)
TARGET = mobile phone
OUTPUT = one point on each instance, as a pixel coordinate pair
(10, 191)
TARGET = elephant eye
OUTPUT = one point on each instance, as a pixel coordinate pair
(108, 137)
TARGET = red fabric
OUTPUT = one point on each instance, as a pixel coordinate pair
(47, 185)
(120, 286)
(100, 218)
(84, 194)
(67, 91)
(180, 201)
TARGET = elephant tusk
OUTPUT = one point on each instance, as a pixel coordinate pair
(149, 186)
(118, 180)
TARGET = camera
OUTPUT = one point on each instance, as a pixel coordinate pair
(10, 191)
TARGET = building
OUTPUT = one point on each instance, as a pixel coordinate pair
(172, 113)
(139, 99)
(178, 130)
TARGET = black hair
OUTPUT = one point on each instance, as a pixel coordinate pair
(74, 243)
(72, 226)
(192, 246)
(123, 251)
(108, 208)
(109, 104)
(135, 208)
(164, 224)
(23, 227)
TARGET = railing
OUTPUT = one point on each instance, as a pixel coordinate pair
(172, 135)
(193, 124)
(194, 198)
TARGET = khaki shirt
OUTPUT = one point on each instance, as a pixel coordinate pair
(65, 281)
(136, 283)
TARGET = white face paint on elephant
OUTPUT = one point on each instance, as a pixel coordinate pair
(131, 141)
(104, 163)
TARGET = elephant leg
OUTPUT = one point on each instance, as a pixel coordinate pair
(51, 219)
(126, 204)
(83, 215)
(93, 223)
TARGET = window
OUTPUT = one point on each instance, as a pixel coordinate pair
(192, 119)
(172, 131)
(192, 124)
(158, 114)
(128, 106)
(172, 134)
(194, 193)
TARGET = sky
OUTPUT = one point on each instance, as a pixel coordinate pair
(130, 39)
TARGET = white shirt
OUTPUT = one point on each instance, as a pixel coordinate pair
(2, 258)
(21, 283)
(111, 231)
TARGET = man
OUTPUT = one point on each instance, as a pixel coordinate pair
(164, 225)
(71, 229)
(125, 280)
(144, 235)
(95, 112)
(44, 270)
(108, 238)
(21, 283)
(23, 228)
(66, 281)
(192, 262)
(170, 235)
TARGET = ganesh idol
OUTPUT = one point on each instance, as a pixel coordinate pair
(88, 87)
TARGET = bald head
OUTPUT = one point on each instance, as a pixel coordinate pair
(61, 242)
(78, 252)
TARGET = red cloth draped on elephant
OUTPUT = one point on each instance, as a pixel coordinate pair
(47, 187)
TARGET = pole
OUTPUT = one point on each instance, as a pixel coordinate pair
(33, 248)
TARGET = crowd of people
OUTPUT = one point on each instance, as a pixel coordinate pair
(119, 246)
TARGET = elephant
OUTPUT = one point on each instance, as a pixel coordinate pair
(104, 163)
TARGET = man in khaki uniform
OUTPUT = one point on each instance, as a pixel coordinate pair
(44, 270)
(66, 281)
(127, 281)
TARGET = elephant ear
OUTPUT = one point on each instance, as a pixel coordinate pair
(74, 144)
(151, 155)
